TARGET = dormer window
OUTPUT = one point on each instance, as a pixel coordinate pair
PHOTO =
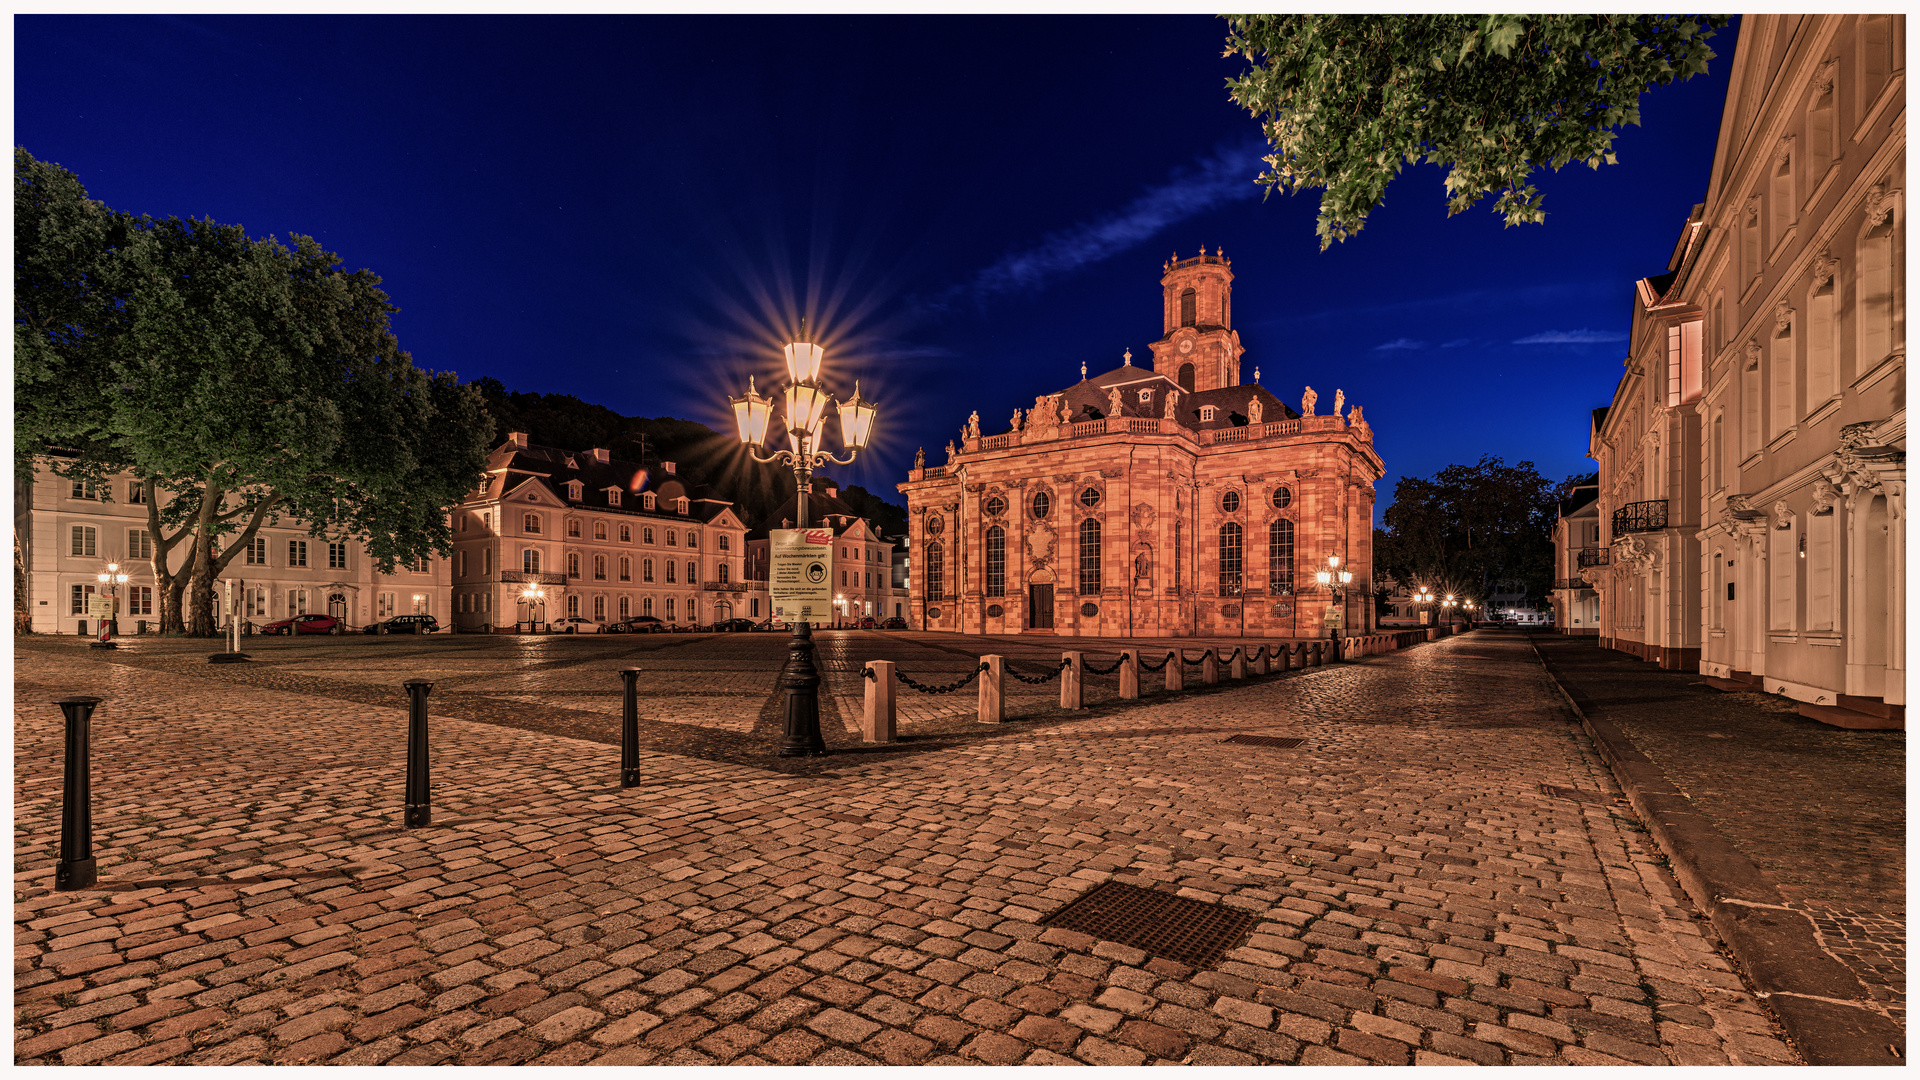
(680, 504)
(1207, 412)
(648, 500)
(573, 490)
(613, 496)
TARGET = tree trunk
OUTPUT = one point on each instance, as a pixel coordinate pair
(208, 564)
(167, 584)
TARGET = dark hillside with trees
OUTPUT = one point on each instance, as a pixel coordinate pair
(701, 454)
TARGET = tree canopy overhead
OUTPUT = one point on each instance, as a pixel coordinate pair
(1472, 530)
(237, 379)
(1347, 101)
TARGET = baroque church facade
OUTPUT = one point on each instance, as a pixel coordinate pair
(1168, 500)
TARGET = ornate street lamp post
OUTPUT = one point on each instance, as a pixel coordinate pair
(807, 402)
(530, 597)
(1424, 598)
(112, 579)
(1448, 606)
(1335, 581)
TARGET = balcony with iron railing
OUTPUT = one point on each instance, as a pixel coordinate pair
(1639, 517)
(523, 577)
(1594, 556)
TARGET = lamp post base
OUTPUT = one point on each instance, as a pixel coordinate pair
(801, 680)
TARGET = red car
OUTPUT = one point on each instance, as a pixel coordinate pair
(303, 624)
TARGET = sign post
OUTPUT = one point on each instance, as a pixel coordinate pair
(800, 586)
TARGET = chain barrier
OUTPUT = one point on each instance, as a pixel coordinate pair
(1228, 659)
(925, 689)
(1144, 666)
(1064, 665)
(1091, 670)
(1184, 660)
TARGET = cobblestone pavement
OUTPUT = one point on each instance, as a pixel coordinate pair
(1442, 872)
(1750, 761)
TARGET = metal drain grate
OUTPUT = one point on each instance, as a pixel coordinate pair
(1191, 932)
(1274, 741)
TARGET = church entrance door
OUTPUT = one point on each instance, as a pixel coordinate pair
(1040, 607)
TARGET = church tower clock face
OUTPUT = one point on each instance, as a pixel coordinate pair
(1198, 349)
(1186, 346)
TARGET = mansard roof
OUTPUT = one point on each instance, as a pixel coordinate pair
(1088, 399)
(510, 465)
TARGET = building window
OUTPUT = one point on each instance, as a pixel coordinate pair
(693, 573)
(1090, 557)
(139, 544)
(1280, 556)
(1042, 504)
(85, 540)
(1282, 498)
(573, 605)
(460, 564)
(1820, 131)
(1230, 501)
(1208, 412)
(139, 599)
(531, 523)
(599, 568)
(646, 605)
(673, 538)
(1823, 597)
(77, 602)
(723, 543)
(296, 602)
(1881, 309)
(843, 575)
(680, 505)
(1185, 378)
(624, 606)
(753, 607)
(613, 496)
(1090, 498)
(599, 609)
(1146, 397)
(136, 493)
(1186, 308)
(385, 606)
(646, 569)
(649, 500)
(1780, 380)
(626, 568)
(573, 564)
(670, 571)
(1823, 345)
(599, 530)
(1781, 211)
(693, 609)
(1683, 363)
(1750, 238)
(296, 553)
(693, 539)
(1750, 403)
(996, 561)
(626, 534)
(646, 535)
(936, 582)
(670, 617)
(1783, 567)
(486, 562)
(1230, 559)
(722, 571)
(530, 560)
(573, 527)
(83, 489)
(337, 556)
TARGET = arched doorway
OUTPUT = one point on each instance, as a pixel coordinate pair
(337, 605)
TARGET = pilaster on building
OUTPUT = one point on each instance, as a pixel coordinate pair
(1170, 499)
(1752, 463)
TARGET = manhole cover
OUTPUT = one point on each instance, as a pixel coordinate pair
(1274, 741)
(1191, 932)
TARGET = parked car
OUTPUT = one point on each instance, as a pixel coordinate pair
(768, 624)
(406, 624)
(867, 623)
(639, 624)
(575, 624)
(733, 626)
(893, 622)
(679, 628)
(303, 624)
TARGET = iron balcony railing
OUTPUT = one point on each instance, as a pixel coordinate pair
(1649, 516)
(1570, 583)
(1595, 556)
(534, 578)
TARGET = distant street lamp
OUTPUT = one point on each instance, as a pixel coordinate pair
(531, 596)
(1448, 605)
(1424, 598)
(807, 402)
(112, 578)
(1335, 580)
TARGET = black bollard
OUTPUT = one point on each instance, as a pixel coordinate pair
(629, 730)
(76, 869)
(802, 683)
(419, 789)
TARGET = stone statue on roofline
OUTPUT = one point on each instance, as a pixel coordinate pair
(920, 458)
(1066, 411)
(1173, 402)
(1359, 423)
(1113, 402)
(1339, 402)
(950, 451)
(1254, 409)
(973, 425)
(1306, 402)
(1016, 419)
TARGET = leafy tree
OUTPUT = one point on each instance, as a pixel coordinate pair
(1347, 101)
(1471, 530)
(242, 378)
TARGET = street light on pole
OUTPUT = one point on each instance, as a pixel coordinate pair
(112, 579)
(531, 596)
(807, 402)
(1335, 581)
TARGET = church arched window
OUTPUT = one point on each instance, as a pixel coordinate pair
(1186, 308)
(1230, 559)
(1280, 556)
(1090, 557)
(1186, 377)
(935, 572)
(996, 559)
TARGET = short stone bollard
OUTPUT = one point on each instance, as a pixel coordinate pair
(419, 789)
(993, 690)
(1176, 674)
(76, 868)
(1257, 663)
(629, 727)
(1237, 667)
(1129, 674)
(877, 719)
(1210, 667)
(1071, 696)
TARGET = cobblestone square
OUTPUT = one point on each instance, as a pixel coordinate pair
(1444, 872)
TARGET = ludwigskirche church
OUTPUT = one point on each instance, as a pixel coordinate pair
(1167, 500)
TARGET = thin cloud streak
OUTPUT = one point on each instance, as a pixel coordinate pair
(1571, 337)
(1227, 176)
(1400, 343)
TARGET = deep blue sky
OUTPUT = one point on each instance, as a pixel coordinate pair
(635, 210)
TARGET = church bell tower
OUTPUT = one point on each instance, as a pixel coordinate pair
(1198, 349)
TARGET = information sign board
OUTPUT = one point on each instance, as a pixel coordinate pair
(99, 607)
(800, 579)
(1334, 619)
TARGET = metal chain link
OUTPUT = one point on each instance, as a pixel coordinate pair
(1064, 664)
(1144, 666)
(947, 689)
(1091, 670)
(1203, 656)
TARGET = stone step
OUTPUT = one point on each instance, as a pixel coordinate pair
(1872, 707)
(1847, 718)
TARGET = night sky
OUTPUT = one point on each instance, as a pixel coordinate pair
(636, 210)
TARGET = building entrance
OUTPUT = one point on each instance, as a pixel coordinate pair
(1040, 607)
